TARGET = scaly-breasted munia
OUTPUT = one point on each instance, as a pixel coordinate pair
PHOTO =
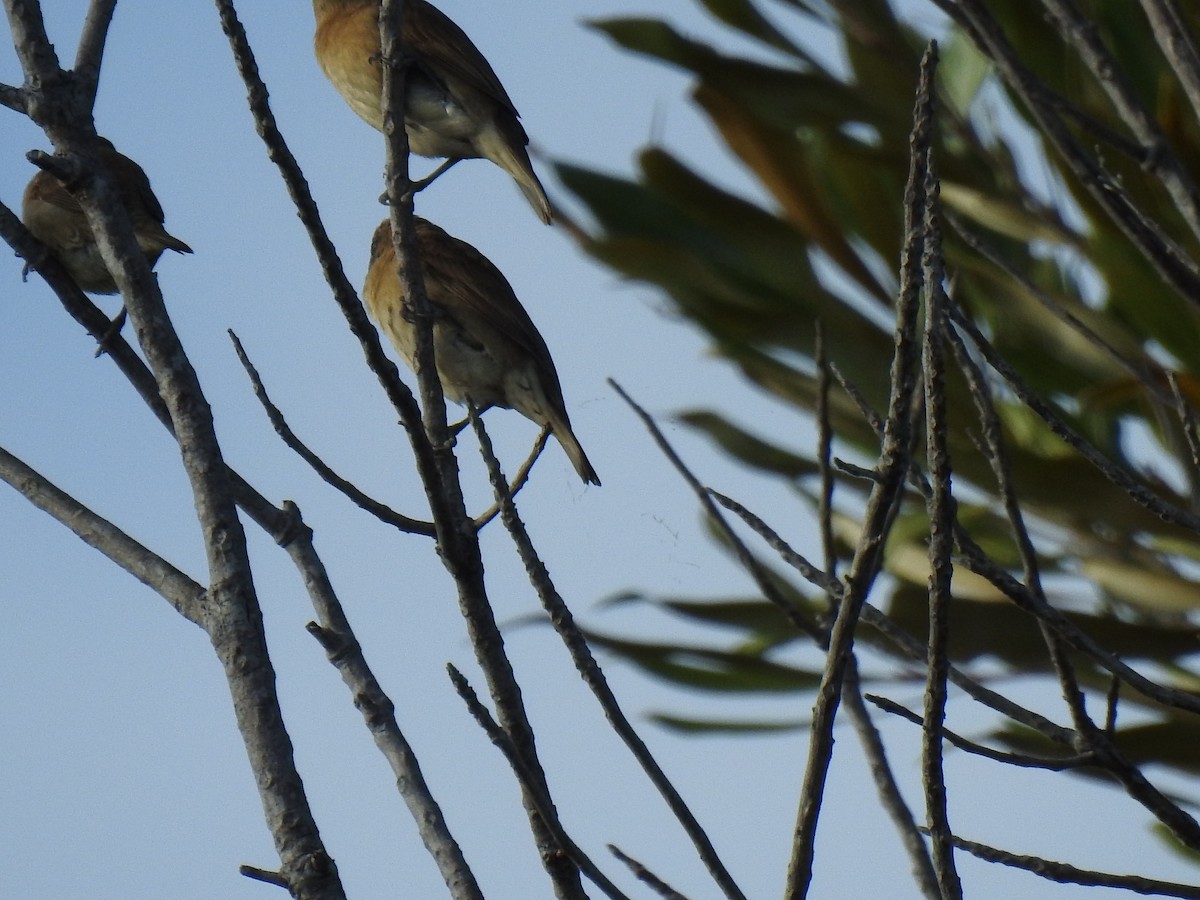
(454, 105)
(488, 350)
(57, 220)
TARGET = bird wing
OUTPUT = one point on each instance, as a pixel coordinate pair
(132, 180)
(470, 288)
(50, 190)
(433, 36)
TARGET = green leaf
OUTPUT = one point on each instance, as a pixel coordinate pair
(707, 669)
(753, 451)
(745, 17)
(688, 725)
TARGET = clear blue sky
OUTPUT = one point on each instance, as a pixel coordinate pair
(121, 773)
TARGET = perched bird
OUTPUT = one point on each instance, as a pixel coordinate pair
(487, 348)
(57, 220)
(454, 105)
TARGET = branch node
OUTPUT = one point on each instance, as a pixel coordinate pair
(264, 875)
(292, 525)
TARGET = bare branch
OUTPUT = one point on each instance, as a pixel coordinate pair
(974, 558)
(306, 208)
(1068, 874)
(379, 713)
(942, 517)
(645, 876)
(1145, 372)
(400, 197)
(564, 623)
(811, 573)
(231, 614)
(13, 98)
(1177, 45)
(761, 579)
(1159, 157)
(379, 510)
(886, 786)
(1057, 629)
(1020, 760)
(1174, 267)
(882, 503)
(531, 784)
(905, 643)
(91, 47)
(977, 561)
(457, 536)
(183, 593)
(824, 469)
(456, 533)
(264, 875)
(39, 63)
(520, 479)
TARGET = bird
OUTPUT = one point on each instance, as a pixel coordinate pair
(454, 105)
(56, 219)
(487, 349)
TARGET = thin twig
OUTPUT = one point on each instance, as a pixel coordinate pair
(907, 645)
(379, 510)
(1110, 707)
(1021, 760)
(1068, 874)
(1187, 422)
(824, 468)
(1175, 268)
(942, 511)
(1082, 34)
(811, 573)
(645, 876)
(457, 535)
(882, 503)
(379, 713)
(761, 577)
(886, 786)
(564, 624)
(520, 479)
(533, 789)
(1177, 45)
(1144, 372)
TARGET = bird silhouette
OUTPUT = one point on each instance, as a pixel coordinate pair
(56, 219)
(454, 105)
(487, 349)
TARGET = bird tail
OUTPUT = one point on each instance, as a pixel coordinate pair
(509, 153)
(170, 242)
(575, 453)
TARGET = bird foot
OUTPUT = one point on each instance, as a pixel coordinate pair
(409, 314)
(34, 262)
(415, 187)
(110, 333)
(421, 183)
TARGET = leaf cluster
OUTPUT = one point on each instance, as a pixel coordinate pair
(1081, 302)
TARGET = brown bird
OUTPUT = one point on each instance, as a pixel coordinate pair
(488, 350)
(57, 220)
(454, 105)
